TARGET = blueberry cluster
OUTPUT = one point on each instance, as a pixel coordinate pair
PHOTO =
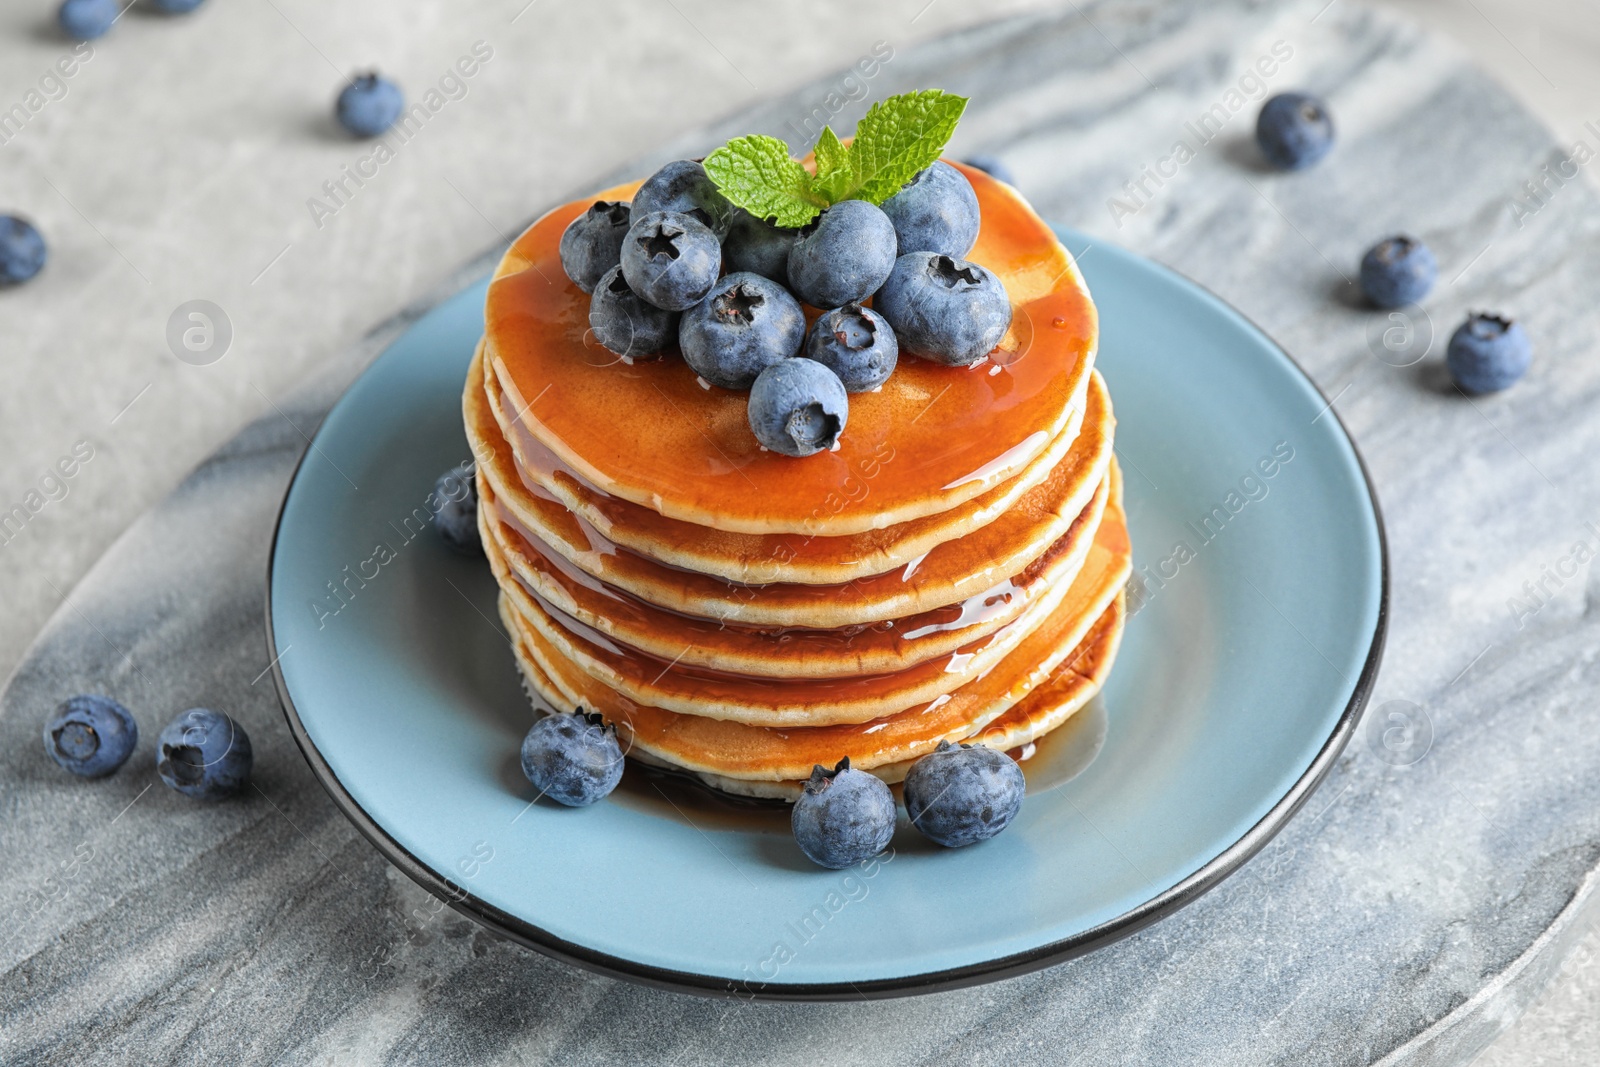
(681, 263)
(201, 753)
(84, 20)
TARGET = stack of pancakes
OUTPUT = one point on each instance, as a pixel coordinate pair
(953, 571)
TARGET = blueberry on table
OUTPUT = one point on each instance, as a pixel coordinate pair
(945, 309)
(22, 250)
(843, 816)
(743, 326)
(993, 166)
(204, 754)
(670, 259)
(175, 7)
(91, 736)
(1398, 271)
(936, 211)
(757, 246)
(1294, 130)
(798, 407)
(456, 520)
(843, 255)
(592, 243)
(684, 186)
(962, 794)
(626, 324)
(369, 105)
(84, 20)
(572, 759)
(856, 344)
(1488, 353)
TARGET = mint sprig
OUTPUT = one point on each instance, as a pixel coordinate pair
(896, 139)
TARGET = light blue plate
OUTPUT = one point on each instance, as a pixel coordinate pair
(1258, 628)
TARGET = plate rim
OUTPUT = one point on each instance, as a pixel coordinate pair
(1210, 874)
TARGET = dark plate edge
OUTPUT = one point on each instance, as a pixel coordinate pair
(1158, 907)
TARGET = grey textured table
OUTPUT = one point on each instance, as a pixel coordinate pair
(1410, 912)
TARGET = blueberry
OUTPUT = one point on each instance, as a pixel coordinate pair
(743, 326)
(572, 759)
(993, 166)
(1487, 353)
(369, 105)
(843, 256)
(90, 736)
(592, 244)
(684, 186)
(624, 323)
(204, 754)
(670, 259)
(946, 309)
(843, 816)
(937, 211)
(757, 246)
(798, 407)
(1294, 130)
(22, 250)
(84, 20)
(457, 517)
(962, 794)
(1398, 271)
(175, 7)
(856, 344)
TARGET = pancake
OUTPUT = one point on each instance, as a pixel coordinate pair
(784, 653)
(758, 558)
(735, 750)
(652, 433)
(786, 701)
(951, 572)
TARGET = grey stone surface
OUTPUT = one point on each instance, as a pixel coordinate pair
(1407, 915)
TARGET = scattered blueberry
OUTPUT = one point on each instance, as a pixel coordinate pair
(457, 517)
(993, 166)
(743, 326)
(592, 244)
(1487, 353)
(946, 309)
(22, 250)
(798, 407)
(843, 256)
(856, 344)
(843, 816)
(84, 20)
(937, 211)
(624, 323)
(204, 754)
(1398, 271)
(670, 259)
(90, 736)
(175, 7)
(962, 794)
(369, 105)
(757, 246)
(572, 759)
(684, 186)
(1294, 130)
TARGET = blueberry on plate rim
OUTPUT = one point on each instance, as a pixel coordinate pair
(745, 324)
(959, 795)
(843, 256)
(456, 519)
(91, 736)
(204, 754)
(798, 407)
(670, 259)
(945, 309)
(856, 344)
(369, 105)
(22, 250)
(624, 323)
(1398, 271)
(574, 759)
(592, 243)
(937, 211)
(1488, 353)
(843, 816)
(1294, 130)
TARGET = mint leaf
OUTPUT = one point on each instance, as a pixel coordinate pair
(758, 174)
(899, 137)
(835, 175)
